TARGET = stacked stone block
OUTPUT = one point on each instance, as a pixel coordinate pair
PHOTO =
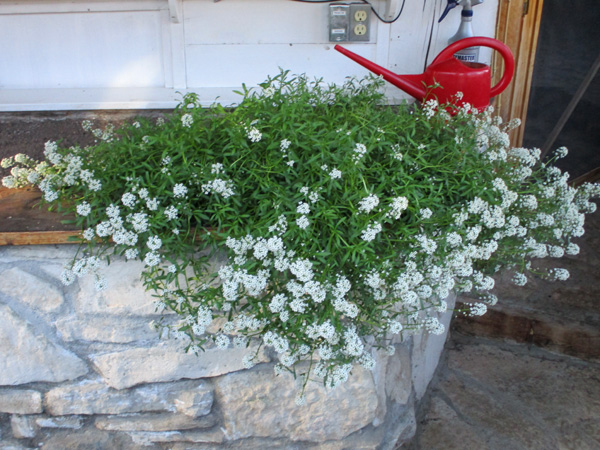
(84, 369)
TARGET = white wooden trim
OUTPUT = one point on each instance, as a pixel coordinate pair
(67, 6)
(178, 60)
(110, 98)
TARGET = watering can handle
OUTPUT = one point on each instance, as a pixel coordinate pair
(503, 49)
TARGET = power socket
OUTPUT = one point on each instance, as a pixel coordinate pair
(349, 22)
(360, 22)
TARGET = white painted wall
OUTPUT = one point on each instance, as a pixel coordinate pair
(109, 54)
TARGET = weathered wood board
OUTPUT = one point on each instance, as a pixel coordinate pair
(23, 221)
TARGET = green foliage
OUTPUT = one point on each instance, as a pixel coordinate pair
(344, 221)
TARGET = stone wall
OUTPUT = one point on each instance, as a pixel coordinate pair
(84, 369)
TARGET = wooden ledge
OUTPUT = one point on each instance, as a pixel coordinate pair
(38, 237)
(24, 222)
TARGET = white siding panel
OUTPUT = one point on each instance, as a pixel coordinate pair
(232, 65)
(79, 54)
(110, 49)
(256, 22)
(416, 38)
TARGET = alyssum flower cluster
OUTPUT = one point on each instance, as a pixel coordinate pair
(344, 222)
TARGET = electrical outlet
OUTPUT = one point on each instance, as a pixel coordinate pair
(349, 22)
(360, 29)
(360, 14)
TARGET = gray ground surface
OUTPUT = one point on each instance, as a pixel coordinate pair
(497, 395)
(527, 374)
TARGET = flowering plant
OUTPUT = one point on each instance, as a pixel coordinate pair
(343, 221)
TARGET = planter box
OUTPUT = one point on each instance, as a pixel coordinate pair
(92, 370)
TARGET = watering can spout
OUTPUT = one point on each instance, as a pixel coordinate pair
(411, 84)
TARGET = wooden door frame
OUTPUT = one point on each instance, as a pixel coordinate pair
(518, 26)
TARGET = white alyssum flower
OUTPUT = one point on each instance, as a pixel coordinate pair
(171, 212)
(89, 234)
(285, 144)
(277, 303)
(430, 108)
(303, 208)
(50, 152)
(561, 152)
(113, 211)
(555, 251)
(139, 221)
(154, 243)
(302, 222)
(397, 206)
(425, 213)
(359, 152)
(129, 199)
(219, 186)
(428, 245)
(222, 341)
(396, 154)
(368, 204)
(7, 162)
(33, 177)
(253, 134)
(529, 202)
(559, 274)
(131, 253)
(371, 232)
(477, 309)
(394, 326)
(84, 209)
(335, 174)
(434, 326)
(152, 259)
(143, 193)
(216, 168)
(187, 120)
(519, 279)
(179, 190)
(572, 249)
(9, 182)
(67, 277)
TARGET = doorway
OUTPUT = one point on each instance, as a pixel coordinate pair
(564, 101)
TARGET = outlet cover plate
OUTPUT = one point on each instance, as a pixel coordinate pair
(339, 21)
(345, 25)
(360, 22)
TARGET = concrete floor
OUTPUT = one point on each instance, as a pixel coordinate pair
(527, 374)
(498, 395)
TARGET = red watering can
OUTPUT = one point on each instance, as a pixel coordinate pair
(452, 75)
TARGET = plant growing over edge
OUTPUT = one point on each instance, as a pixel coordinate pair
(343, 221)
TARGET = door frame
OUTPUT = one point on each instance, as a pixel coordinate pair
(518, 26)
